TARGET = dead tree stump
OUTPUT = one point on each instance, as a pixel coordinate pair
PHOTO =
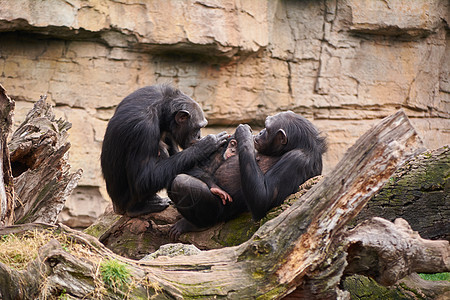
(6, 180)
(35, 168)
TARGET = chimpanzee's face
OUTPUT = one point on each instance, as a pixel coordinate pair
(231, 149)
(188, 126)
(188, 134)
(271, 140)
(262, 141)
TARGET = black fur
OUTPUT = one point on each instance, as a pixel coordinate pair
(290, 152)
(300, 160)
(140, 148)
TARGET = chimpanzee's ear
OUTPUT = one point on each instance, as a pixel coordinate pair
(182, 117)
(282, 137)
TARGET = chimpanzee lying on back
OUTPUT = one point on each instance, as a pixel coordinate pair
(214, 172)
(290, 152)
(205, 171)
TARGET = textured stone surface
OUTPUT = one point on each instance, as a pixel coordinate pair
(343, 64)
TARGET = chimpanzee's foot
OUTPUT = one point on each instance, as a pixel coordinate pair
(183, 226)
(118, 210)
(155, 204)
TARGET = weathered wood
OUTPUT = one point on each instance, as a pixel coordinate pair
(6, 180)
(418, 192)
(56, 271)
(389, 251)
(42, 180)
(136, 237)
(296, 249)
(411, 287)
(284, 250)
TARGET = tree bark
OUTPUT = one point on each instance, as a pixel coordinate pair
(411, 287)
(303, 247)
(389, 251)
(6, 180)
(418, 192)
(136, 237)
(42, 179)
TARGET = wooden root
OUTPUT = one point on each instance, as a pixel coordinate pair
(389, 251)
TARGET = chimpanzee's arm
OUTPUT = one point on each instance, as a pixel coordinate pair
(205, 169)
(264, 191)
(148, 173)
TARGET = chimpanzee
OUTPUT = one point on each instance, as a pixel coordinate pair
(290, 152)
(140, 154)
(205, 170)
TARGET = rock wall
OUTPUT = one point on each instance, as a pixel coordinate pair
(344, 64)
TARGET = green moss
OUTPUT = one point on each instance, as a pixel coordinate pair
(415, 182)
(115, 274)
(436, 277)
(127, 247)
(411, 290)
(361, 287)
(63, 295)
(237, 231)
(98, 229)
(259, 273)
(199, 292)
(273, 294)
(94, 231)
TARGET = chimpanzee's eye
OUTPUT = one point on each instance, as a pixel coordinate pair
(262, 132)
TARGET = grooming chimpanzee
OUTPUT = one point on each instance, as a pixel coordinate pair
(140, 153)
(290, 152)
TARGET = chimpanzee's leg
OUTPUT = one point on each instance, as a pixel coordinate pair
(195, 202)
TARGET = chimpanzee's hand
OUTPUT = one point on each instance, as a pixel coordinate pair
(212, 142)
(224, 196)
(243, 133)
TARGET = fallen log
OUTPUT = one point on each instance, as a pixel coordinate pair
(69, 263)
(419, 192)
(302, 249)
(136, 237)
(412, 287)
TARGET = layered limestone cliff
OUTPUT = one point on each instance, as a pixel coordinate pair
(344, 64)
